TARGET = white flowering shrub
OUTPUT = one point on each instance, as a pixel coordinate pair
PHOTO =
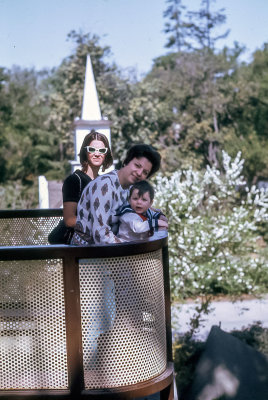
(213, 228)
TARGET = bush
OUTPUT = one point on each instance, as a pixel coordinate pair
(17, 195)
(214, 219)
(255, 336)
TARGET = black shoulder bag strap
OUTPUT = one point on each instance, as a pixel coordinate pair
(80, 184)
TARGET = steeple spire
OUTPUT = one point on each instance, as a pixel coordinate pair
(91, 117)
(90, 108)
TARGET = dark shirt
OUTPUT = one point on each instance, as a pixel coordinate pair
(72, 186)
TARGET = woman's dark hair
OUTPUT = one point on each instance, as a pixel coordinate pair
(142, 187)
(93, 135)
(144, 150)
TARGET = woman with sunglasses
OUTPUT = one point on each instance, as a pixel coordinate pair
(95, 153)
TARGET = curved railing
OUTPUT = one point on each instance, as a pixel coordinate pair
(27, 227)
(90, 321)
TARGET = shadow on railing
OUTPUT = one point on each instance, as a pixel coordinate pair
(84, 321)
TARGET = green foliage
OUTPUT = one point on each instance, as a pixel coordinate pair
(26, 143)
(187, 350)
(246, 120)
(15, 195)
(254, 149)
(197, 91)
(186, 355)
(203, 23)
(176, 27)
(213, 231)
(193, 29)
(255, 336)
(139, 118)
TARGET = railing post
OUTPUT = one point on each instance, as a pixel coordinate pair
(73, 325)
(167, 302)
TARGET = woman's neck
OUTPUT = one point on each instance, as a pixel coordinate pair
(92, 171)
(122, 180)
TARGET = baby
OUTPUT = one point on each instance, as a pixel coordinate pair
(137, 221)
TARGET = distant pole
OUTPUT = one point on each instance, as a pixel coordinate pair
(43, 192)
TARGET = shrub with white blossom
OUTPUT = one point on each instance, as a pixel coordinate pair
(213, 230)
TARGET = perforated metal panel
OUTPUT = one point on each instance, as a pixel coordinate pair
(32, 325)
(123, 319)
(26, 231)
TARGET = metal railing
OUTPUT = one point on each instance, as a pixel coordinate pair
(88, 321)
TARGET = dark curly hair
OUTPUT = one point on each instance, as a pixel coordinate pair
(142, 187)
(93, 135)
(147, 151)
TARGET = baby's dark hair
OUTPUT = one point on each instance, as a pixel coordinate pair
(142, 187)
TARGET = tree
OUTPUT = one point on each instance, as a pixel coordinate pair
(193, 30)
(27, 144)
(137, 112)
(5, 116)
(176, 27)
(246, 118)
(196, 88)
(202, 24)
(27, 141)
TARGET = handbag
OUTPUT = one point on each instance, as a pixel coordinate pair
(63, 234)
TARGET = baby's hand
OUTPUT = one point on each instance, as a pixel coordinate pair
(162, 224)
(163, 218)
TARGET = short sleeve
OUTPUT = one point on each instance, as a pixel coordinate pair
(71, 189)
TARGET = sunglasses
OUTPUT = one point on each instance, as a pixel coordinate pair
(92, 150)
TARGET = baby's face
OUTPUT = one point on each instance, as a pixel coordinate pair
(140, 204)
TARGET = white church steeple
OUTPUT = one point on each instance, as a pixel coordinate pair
(91, 108)
(91, 117)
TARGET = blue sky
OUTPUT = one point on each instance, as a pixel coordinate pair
(33, 32)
